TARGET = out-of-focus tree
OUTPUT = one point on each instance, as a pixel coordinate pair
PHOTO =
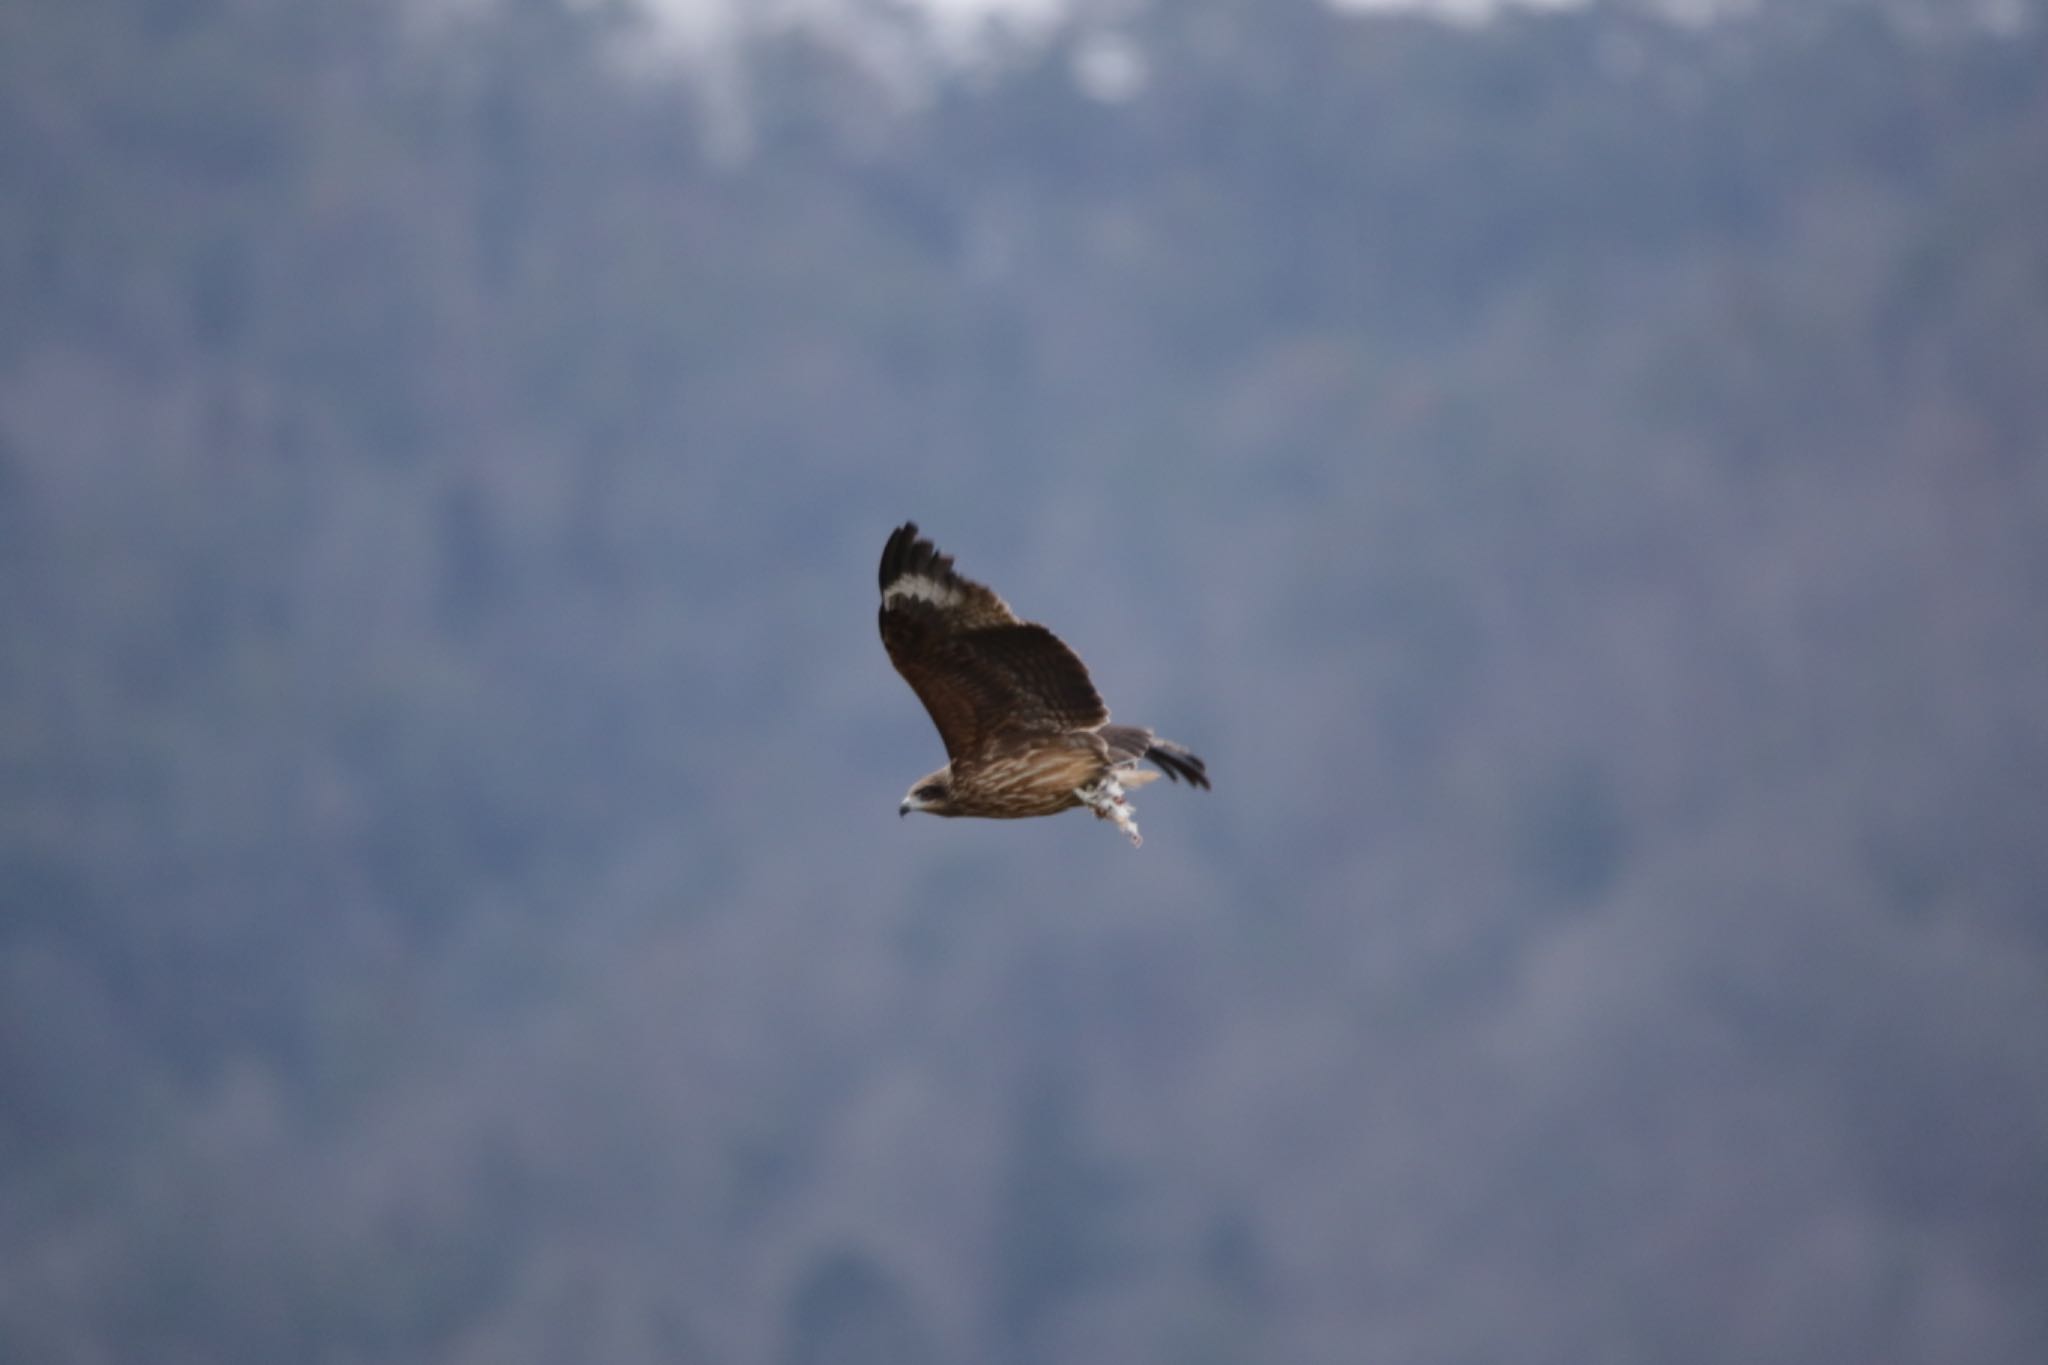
(1579, 479)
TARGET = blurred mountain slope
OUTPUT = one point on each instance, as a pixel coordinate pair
(1578, 480)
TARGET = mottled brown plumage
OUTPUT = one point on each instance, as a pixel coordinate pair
(1025, 731)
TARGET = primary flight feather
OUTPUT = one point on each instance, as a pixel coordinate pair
(1025, 731)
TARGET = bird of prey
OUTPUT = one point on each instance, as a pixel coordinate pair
(1025, 731)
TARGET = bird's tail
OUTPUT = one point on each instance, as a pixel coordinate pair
(1130, 743)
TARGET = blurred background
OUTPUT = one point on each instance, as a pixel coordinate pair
(1579, 473)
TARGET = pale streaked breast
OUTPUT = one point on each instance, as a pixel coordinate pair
(1037, 781)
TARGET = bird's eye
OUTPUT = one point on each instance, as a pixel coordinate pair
(929, 793)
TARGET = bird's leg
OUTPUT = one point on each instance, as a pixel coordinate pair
(1105, 796)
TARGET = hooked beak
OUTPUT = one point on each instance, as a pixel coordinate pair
(903, 809)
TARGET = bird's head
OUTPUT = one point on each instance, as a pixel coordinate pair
(933, 794)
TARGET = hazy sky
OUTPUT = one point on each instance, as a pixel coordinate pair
(702, 15)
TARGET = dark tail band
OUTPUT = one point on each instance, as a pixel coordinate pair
(1128, 742)
(1178, 764)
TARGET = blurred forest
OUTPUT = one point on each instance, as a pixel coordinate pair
(1581, 480)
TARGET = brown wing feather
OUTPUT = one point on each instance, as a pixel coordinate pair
(976, 667)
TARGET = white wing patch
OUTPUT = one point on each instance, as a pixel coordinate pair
(923, 590)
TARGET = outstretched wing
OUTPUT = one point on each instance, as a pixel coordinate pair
(975, 666)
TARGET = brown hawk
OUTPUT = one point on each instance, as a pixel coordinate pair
(1024, 729)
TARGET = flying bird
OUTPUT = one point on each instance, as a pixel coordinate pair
(1024, 729)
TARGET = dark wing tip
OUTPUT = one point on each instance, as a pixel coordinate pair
(909, 553)
(896, 552)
